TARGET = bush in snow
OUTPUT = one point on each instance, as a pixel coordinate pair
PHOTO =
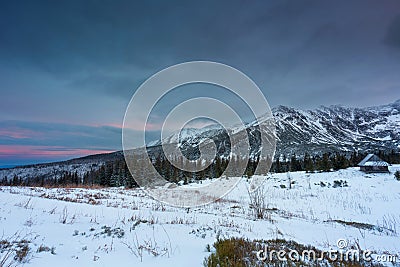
(397, 175)
(258, 202)
(15, 250)
(241, 252)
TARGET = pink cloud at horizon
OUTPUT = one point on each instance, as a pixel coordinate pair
(19, 133)
(45, 152)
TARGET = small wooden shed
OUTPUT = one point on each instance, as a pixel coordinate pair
(372, 163)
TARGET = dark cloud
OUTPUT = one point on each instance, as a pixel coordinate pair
(69, 136)
(111, 47)
(79, 62)
(392, 36)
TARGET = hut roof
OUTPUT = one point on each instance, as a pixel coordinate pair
(372, 160)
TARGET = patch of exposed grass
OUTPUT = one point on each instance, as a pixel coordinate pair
(113, 232)
(14, 252)
(364, 226)
(240, 252)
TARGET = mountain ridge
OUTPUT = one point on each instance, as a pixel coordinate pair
(334, 128)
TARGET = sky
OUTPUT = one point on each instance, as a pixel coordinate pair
(69, 68)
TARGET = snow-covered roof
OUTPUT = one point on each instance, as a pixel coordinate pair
(372, 160)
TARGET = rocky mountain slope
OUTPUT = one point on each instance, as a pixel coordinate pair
(338, 128)
(325, 129)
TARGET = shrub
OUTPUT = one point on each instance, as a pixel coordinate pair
(339, 183)
(43, 248)
(240, 252)
(233, 252)
(14, 252)
(258, 202)
(21, 253)
(397, 175)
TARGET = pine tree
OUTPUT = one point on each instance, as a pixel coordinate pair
(174, 177)
(218, 167)
(102, 179)
(294, 164)
(308, 163)
(113, 182)
(325, 163)
(15, 180)
(4, 181)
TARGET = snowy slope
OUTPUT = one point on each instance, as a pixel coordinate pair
(118, 227)
(338, 128)
(326, 129)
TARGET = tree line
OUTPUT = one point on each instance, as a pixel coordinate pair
(327, 161)
(116, 173)
(110, 174)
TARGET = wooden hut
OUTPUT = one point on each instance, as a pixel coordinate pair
(372, 163)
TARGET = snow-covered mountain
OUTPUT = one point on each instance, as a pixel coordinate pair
(325, 129)
(338, 128)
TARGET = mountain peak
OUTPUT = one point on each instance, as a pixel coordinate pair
(282, 108)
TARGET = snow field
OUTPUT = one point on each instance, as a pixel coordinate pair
(115, 226)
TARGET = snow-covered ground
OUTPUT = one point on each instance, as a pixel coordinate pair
(119, 227)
